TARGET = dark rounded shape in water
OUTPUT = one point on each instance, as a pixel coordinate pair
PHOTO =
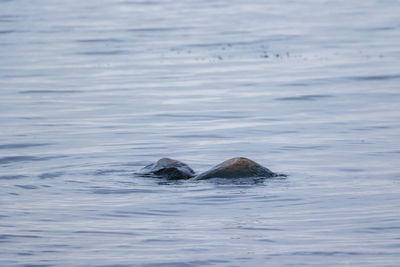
(237, 168)
(168, 168)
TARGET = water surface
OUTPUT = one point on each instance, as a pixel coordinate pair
(93, 91)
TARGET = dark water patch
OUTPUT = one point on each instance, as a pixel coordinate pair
(29, 187)
(48, 92)
(101, 40)
(24, 75)
(76, 182)
(372, 127)
(375, 77)
(105, 53)
(258, 42)
(139, 3)
(170, 182)
(212, 198)
(159, 240)
(30, 118)
(113, 215)
(108, 171)
(265, 240)
(200, 136)
(105, 233)
(149, 213)
(7, 160)
(22, 145)
(25, 253)
(383, 229)
(385, 28)
(201, 116)
(315, 147)
(12, 177)
(238, 181)
(49, 251)
(50, 175)
(106, 191)
(350, 170)
(160, 29)
(327, 253)
(257, 228)
(47, 220)
(12, 236)
(166, 211)
(8, 18)
(186, 264)
(6, 31)
(295, 84)
(16, 159)
(304, 97)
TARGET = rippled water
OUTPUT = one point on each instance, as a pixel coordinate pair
(92, 91)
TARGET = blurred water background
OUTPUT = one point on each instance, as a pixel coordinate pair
(92, 91)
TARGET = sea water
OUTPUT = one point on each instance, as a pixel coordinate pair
(92, 91)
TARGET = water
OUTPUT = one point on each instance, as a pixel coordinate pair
(92, 91)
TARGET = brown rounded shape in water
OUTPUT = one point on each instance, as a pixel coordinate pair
(237, 168)
(168, 168)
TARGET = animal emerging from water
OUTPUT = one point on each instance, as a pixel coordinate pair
(239, 167)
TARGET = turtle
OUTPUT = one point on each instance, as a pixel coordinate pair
(168, 168)
(239, 167)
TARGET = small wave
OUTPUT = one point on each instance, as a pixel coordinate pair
(187, 264)
(27, 186)
(375, 77)
(7, 31)
(201, 116)
(150, 213)
(48, 92)
(15, 159)
(108, 171)
(6, 160)
(161, 29)
(303, 97)
(315, 147)
(12, 177)
(327, 253)
(103, 232)
(104, 53)
(21, 145)
(50, 175)
(106, 191)
(11, 236)
(100, 40)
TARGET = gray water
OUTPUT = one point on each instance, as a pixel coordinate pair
(92, 91)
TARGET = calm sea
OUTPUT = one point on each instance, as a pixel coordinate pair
(92, 91)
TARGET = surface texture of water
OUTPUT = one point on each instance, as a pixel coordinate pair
(91, 91)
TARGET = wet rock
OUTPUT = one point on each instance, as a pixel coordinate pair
(237, 168)
(168, 168)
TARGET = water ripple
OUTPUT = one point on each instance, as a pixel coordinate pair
(16, 159)
(12, 177)
(304, 97)
(22, 145)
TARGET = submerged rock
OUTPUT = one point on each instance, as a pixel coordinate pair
(168, 168)
(237, 168)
